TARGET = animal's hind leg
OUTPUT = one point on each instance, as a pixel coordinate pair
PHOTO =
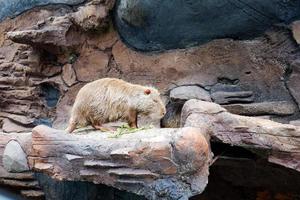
(132, 119)
(72, 126)
(100, 127)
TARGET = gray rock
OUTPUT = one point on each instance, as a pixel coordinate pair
(12, 8)
(14, 158)
(296, 31)
(222, 97)
(189, 92)
(150, 25)
(9, 126)
(295, 122)
(264, 108)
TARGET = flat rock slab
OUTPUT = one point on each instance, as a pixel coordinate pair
(280, 142)
(149, 25)
(263, 108)
(155, 163)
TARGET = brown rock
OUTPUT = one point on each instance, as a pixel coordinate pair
(104, 40)
(139, 162)
(222, 63)
(91, 65)
(91, 17)
(63, 108)
(9, 126)
(53, 31)
(280, 141)
(68, 75)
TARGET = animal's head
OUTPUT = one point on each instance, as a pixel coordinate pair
(149, 103)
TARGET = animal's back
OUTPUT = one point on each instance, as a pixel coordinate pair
(96, 100)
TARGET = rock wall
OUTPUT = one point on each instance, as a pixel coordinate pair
(250, 65)
(61, 50)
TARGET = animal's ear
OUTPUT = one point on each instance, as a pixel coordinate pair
(147, 91)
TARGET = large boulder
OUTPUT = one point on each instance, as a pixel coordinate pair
(14, 7)
(150, 25)
(14, 158)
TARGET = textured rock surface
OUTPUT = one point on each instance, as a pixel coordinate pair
(293, 81)
(24, 181)
(157, 25)
(52, 71)
(157, 163)
(296, 31)
(15, 7)
(14, 158)
(280, 142)
(189, 92)
(264, 108)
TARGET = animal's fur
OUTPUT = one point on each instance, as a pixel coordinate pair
(109, 99)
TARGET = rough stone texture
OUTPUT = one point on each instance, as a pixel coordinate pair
(293, 81)
(231, 71)
(156, 163)
(9, 126)
(91, 65)
(14, 158)
(91, 17)
(24, 181)
(221, 97)
(264, 108)
(296, 31)
(189, 92)
(280, 142)
(52, 31)
(149, 25)
(14, 7)
(68, 75)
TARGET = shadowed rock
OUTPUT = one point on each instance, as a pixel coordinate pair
(12, 8)
(280, 142)
(149, 25)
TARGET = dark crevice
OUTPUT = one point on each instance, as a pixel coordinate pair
(50, 93)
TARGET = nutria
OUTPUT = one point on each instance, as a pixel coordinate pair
(110, 99)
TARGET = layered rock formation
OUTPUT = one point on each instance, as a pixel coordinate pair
(155, 163)
(48, 53)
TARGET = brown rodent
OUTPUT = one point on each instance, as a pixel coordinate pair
(110, 99)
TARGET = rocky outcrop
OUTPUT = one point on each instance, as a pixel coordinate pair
(88, 48)
(158, 163)
(279, 142)
(158, 25)
(12, 160)
(155, 163)
(64, 47)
